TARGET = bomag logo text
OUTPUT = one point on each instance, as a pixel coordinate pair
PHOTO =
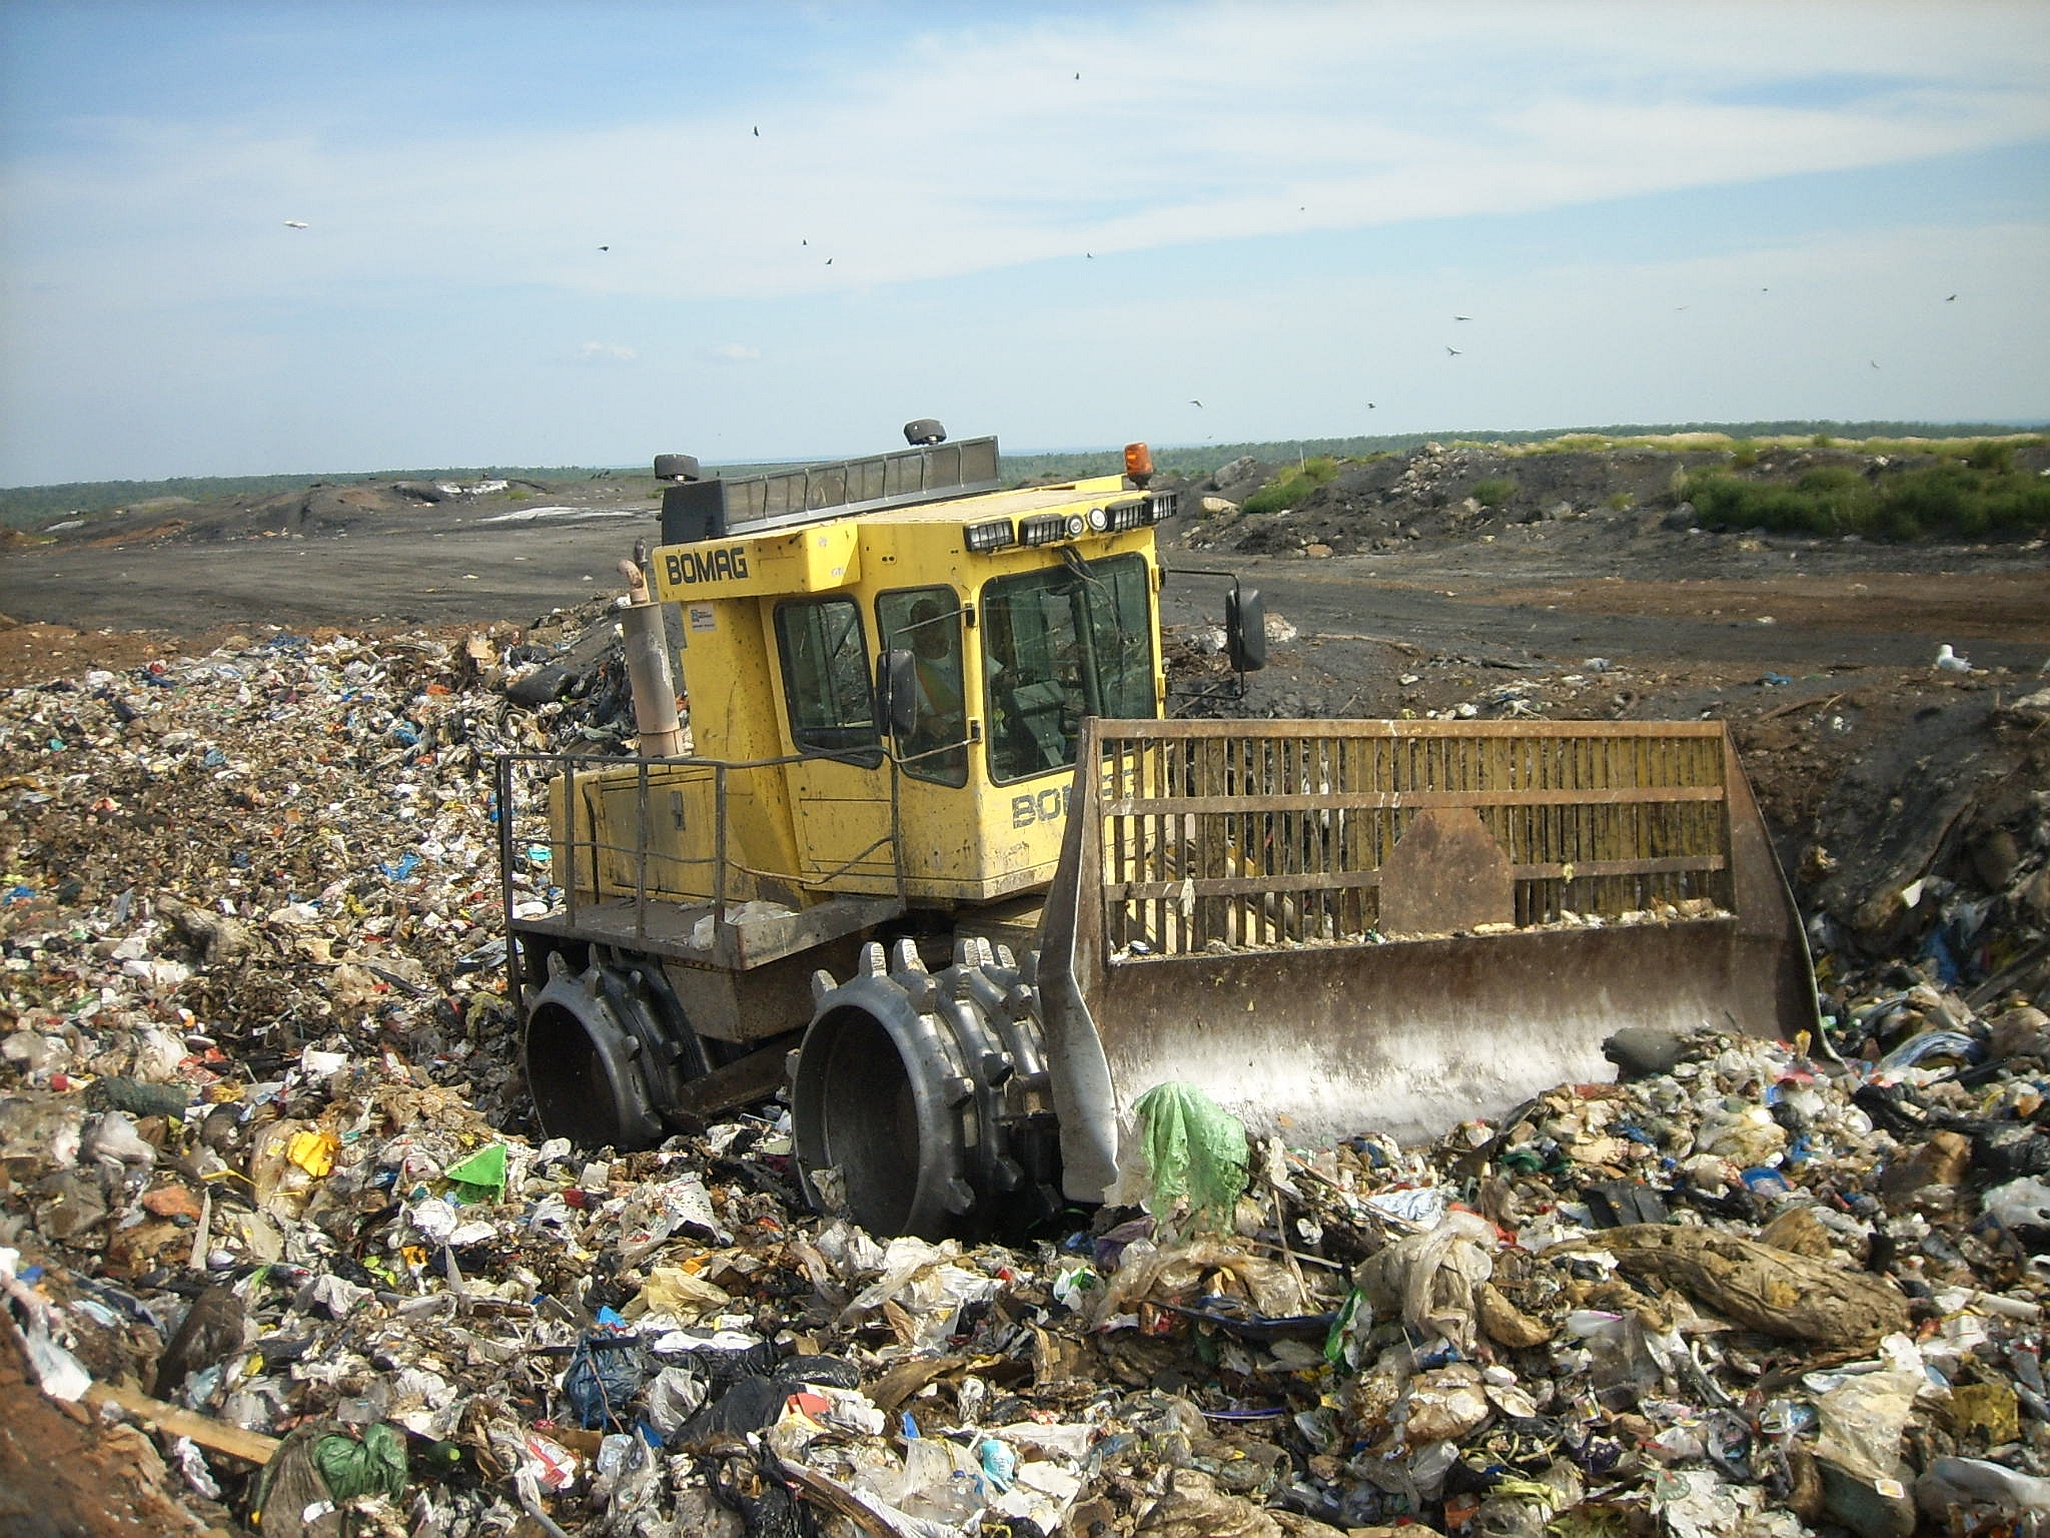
(692, 566)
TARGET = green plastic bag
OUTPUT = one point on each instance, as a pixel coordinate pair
(481, 1175)
(1195, 1150)
(377, 1464)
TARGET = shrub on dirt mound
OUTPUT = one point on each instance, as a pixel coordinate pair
(1978, 494)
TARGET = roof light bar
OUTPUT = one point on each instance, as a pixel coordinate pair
(1041, 528)
(996, 534)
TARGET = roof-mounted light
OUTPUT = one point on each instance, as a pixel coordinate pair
(1129, 515)
(1138, 463)
(996, 534)
(1041, 528)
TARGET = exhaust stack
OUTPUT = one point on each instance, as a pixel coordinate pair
(647, 668)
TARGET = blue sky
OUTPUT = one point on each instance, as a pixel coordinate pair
(1650, 213)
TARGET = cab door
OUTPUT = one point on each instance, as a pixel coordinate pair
(841, 793)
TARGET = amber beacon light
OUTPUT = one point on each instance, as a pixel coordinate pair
(1138, 463)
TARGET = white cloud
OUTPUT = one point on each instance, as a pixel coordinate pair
(734, 352)
(968, 153)
(605, 352)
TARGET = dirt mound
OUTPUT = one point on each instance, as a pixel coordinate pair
(1478, 491)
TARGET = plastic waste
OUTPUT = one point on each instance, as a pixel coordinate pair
(1196, 1153)
(376, 1465)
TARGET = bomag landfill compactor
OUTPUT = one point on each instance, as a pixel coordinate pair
(938, 867)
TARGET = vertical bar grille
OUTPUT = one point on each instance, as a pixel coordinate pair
(1253, 835)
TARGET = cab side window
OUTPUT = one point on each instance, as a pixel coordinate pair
(825, 679)
(926, 622)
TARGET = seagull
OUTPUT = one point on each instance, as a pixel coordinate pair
(1078, 74)
(1948, 661)
(758, 133)
(1873, 361)
(605, 248)
(829, 261)
(1088, 256)
(1370, 405)
(300, 224)
(1462, 317)
(1454, 351)
(1951, 300)
(1197, 404)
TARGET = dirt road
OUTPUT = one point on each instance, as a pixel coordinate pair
(1540, 593)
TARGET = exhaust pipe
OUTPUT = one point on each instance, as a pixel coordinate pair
(647, 668)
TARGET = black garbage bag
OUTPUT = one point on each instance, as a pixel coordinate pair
(768, 1505)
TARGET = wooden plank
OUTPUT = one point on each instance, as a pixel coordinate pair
(249, 1446)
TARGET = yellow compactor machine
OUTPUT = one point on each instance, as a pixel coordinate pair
(939, 866)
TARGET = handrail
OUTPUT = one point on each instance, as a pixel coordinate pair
(545, 768)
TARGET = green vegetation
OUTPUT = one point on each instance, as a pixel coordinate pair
(1953, 497)
(1293, 487)
(33, 506)
(1621, 501)
(1494, 490)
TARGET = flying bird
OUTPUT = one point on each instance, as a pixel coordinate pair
(300, 224)
(1195, 403)
(605, 248)
(1462, 317)
(1951, 300)
(1948, 661)
(1370, 405)
(1088, 256)
(1874, 362)
(758, 133)
(1078, 74)
(1454, 351)
(829, 261)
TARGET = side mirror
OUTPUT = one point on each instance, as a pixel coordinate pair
(1245, 629)
(897, 691)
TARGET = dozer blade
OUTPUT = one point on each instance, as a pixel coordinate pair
(1336, 927)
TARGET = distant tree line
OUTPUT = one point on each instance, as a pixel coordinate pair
(32, 506)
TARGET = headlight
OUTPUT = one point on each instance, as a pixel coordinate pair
(1099, 520)
(1074, 526)
(993, 535)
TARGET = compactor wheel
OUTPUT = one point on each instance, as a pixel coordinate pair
(920, 1100)
(606, 1049)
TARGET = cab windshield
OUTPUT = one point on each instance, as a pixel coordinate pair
(1060, 645)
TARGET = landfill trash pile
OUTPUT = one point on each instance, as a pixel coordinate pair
(267, 1190)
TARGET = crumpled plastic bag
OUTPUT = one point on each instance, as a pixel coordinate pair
(1174, 1273)
(374, 1466)
(1862, 1421)
(1432, 1279)
(604, 1376)
(1195, 1153)
(925, 1281)
(673, 1290)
